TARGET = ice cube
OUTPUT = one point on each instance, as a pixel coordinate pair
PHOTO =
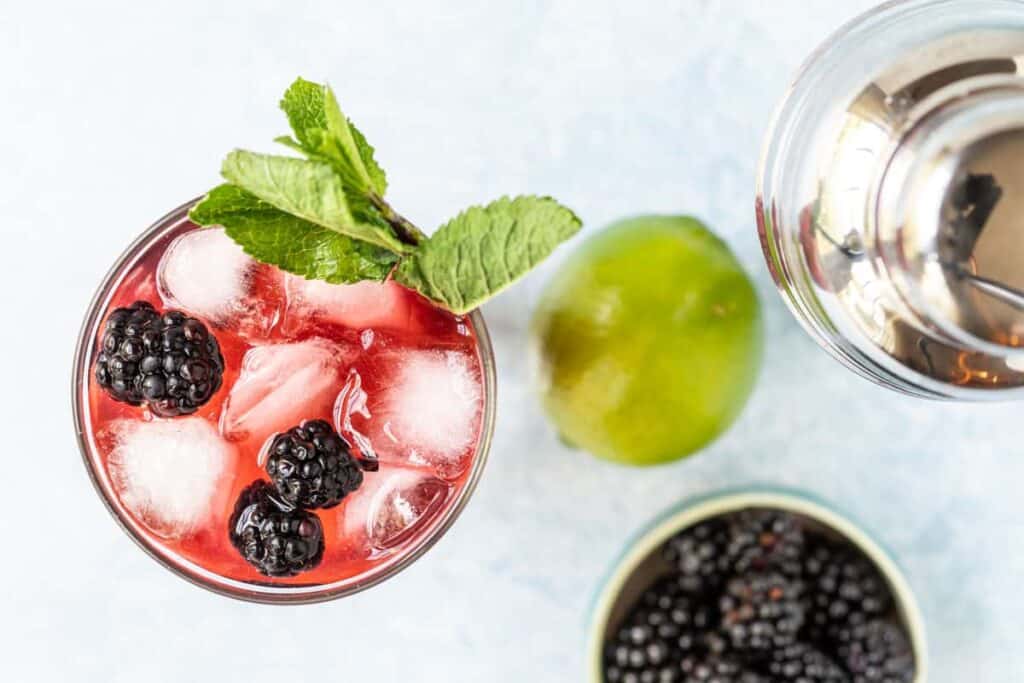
(425, 411)
(167, 472)
(205, 273)
(281, 385)
(359, 306)
(352, 402)
(392, 505)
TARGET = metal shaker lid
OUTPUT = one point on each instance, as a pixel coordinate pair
(951, 214)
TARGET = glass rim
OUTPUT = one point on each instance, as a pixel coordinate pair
(192, 571)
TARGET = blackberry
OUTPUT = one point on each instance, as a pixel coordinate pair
(844, 588)
(876, 652)
(761, 612)
(274, 538)
(700, 555)
(169, 362)
(312, 466)
(717, 670)
(766, 540)
(801, 663)
(665, 625)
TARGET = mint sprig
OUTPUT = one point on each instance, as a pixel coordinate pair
(324, 216)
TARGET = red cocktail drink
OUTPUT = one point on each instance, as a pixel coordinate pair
(360, 413)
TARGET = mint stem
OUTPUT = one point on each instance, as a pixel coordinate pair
(406, 232)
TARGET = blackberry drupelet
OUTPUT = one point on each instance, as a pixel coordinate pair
(718, 670)
(700, 555)
(844, 589)
(766, 540)
(800, 663)
(169, 362)
(276, 539)
(312, 466)
(876, 652)
(761, 612)
(665, 625)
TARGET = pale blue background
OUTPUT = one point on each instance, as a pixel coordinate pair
(113, 112)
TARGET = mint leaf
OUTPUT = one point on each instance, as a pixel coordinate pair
(483, 250)
(288, 242)
(289, 141)
(310, 190)
(323, 132)
(378, 179)
(303, 104)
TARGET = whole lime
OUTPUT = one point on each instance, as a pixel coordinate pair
(647, 341)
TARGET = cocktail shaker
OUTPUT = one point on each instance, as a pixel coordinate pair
(890, 201)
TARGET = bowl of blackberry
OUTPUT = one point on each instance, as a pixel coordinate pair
(756, 587)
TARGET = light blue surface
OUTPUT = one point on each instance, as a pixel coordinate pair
(115, 112)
